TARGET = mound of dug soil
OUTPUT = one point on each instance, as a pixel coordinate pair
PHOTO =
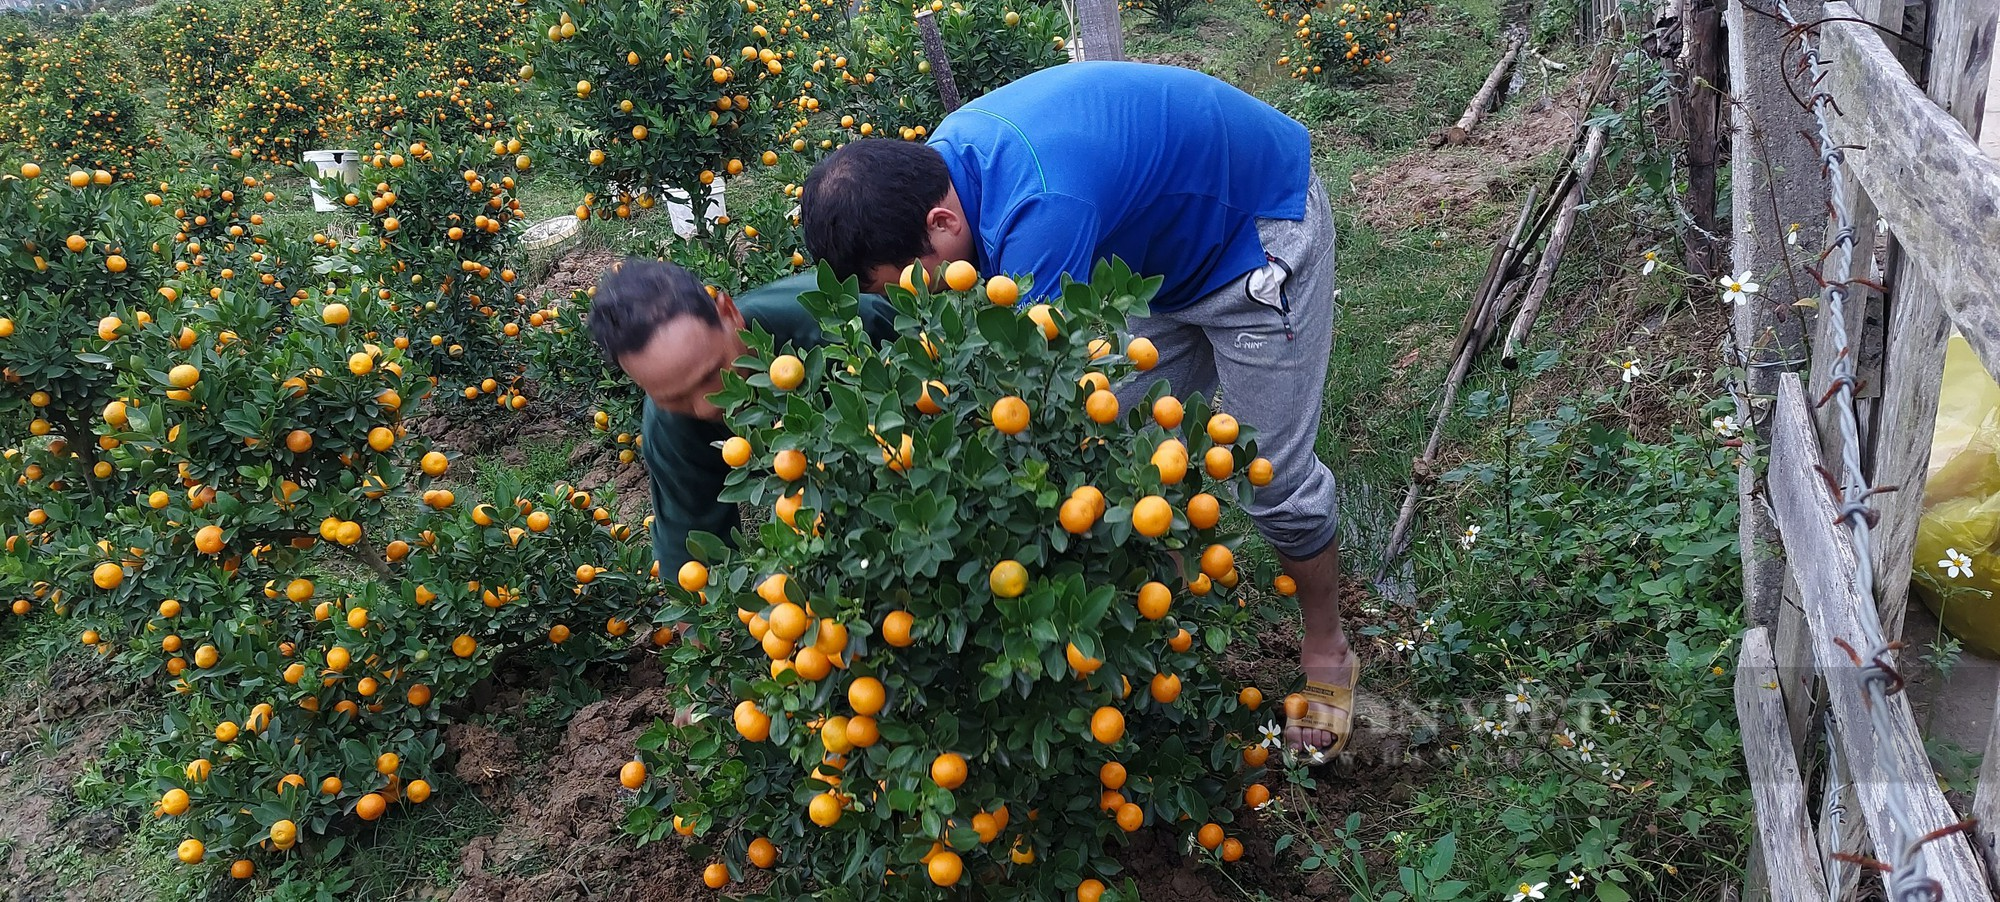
(1429, 187)
(559, 840)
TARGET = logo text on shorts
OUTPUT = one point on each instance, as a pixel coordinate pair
(1250, 341)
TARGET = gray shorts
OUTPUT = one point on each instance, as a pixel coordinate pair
(1264, 340)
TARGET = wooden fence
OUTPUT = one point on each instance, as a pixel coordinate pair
(1909, 97)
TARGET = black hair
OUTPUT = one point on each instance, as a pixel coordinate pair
(865, 204)
(635, 297)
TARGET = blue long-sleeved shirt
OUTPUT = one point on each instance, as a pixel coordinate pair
(1165, 168)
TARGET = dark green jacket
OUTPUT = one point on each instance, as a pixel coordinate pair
(682, 455)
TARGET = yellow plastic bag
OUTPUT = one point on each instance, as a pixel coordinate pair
(1961, 519)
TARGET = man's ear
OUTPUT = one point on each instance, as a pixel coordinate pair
(942, 220)
(725, 308)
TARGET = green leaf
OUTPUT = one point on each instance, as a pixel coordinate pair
(1441, 857)
(705, 547)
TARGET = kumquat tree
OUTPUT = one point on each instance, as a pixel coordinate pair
(188, 450)
(663, 97)
(443, 218)
(980, 639)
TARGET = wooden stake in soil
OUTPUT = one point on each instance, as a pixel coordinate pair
(1489, 303)
(1483, 100)
(1488, 316)
(1545, 274)
(1704, 71)
(947, 89)
(1100, 33)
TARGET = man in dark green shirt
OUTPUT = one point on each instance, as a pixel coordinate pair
(659, 324)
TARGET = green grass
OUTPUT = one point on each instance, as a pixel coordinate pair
(1231, 40)
(407, 856)
(28, 648)
(542, 465)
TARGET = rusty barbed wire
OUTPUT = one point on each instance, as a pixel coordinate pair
(1903, 866)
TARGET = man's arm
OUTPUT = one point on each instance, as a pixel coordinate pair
(686, 471)
(1047, 236)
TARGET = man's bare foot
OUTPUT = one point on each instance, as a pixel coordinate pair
(1334, 666)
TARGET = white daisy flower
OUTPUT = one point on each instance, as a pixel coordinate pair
(1612, 771)
(1403, 644)
(1519, 699)
(1955, 564)
(1575, 880)
(1502, 731)
(1652, 263)
(1470, 536)
(1585, 748)
(1629, 370)
(1525, 892)
(1792, 235)
(1611, 714)
(1274, 735)
(1738, 289)
(1429, 623)
(1725, 426)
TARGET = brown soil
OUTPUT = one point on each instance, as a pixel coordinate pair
(1440, 187)
(600, 467)
(560, 837)
(508, 433)
(576, 271)
(54, 731)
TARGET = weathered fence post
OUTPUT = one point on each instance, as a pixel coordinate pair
(1784, 830)
(1099, 32)
(1776, 181)
(1701, 76)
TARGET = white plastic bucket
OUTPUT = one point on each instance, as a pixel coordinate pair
(346, 164)
(551, 232)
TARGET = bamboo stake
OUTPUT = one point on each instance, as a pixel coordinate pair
(1420, 469)
(1481, 101)
(1496, 270)
(1531, 304)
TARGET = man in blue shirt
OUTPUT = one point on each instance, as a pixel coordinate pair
(1181, 176)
